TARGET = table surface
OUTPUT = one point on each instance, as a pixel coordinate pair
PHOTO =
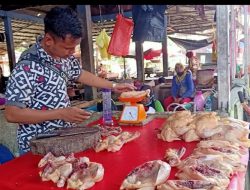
(22, 172)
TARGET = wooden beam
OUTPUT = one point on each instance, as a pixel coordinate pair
(191, 33)
(223, 65)
(183, 13)
(110, 16)
(177, 10)
(27, 32)
(86, 46)
(18, 16)
(139, 61)
(9, 42)
(191, 7)
(36, 10)
(165, 52)
(193, 28)
(193, 22)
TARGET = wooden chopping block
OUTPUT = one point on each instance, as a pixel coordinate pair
(66, 141)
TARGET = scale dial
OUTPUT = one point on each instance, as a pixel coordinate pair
(130, 113)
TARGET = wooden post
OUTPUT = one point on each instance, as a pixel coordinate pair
(87, 55)
(165, 50)
(10, 42)
(222, 61)
(139, 61)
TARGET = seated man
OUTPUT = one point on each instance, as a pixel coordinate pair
(182, 87)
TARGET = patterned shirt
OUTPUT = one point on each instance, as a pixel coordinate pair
(35, 86)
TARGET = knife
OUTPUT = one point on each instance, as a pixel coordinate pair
(61, 133)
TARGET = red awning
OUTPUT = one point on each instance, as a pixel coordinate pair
(150, 54)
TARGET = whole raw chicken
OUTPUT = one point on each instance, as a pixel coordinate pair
(188, 185)
(147, 175)
(78, 173)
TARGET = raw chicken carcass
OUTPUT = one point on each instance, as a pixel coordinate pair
(107, 131)
(188, 185)
(206, 125)
(56, 169)
(233, 132)
(180, 126)
(114, 143)
(129, 136)
(231, 159)
(221, 147)
(218, 143)
(103, 144)
(213, 161)
(50, 165)
(230, 120)
(179, 114)
(64, 171)
(134, 94)
(59, 169)
(147, 175)
(204, 172)
(173, 156)
(86, 177)
(179, 122)
(45, 159)
(225, 152)
(167, 134)
(190, 136)
(233, 147)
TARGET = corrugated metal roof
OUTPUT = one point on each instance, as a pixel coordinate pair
(181, 19)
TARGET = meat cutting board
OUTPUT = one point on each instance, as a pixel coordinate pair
(66, 141)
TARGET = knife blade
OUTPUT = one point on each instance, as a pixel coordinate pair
(63, 133)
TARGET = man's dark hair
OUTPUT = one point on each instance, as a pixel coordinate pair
(62, 21)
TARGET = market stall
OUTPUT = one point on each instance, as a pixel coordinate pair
(155, 138)
(23, 172)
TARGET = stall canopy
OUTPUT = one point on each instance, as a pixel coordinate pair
(151, 53)
(191, 44)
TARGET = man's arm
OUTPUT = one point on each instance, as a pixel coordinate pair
(92, 80)
(15, 114)
(246, 108)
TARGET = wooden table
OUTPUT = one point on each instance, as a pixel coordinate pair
(22, 173)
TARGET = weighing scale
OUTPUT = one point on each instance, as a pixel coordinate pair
(133, 113)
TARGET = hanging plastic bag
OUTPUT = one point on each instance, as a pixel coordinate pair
(102, 41)
(214, 52)
(120, 39)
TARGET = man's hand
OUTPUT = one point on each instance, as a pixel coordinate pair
(73, 114)
(123, 87)
(246, 107)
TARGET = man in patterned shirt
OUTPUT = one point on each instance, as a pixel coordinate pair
(37, 89)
